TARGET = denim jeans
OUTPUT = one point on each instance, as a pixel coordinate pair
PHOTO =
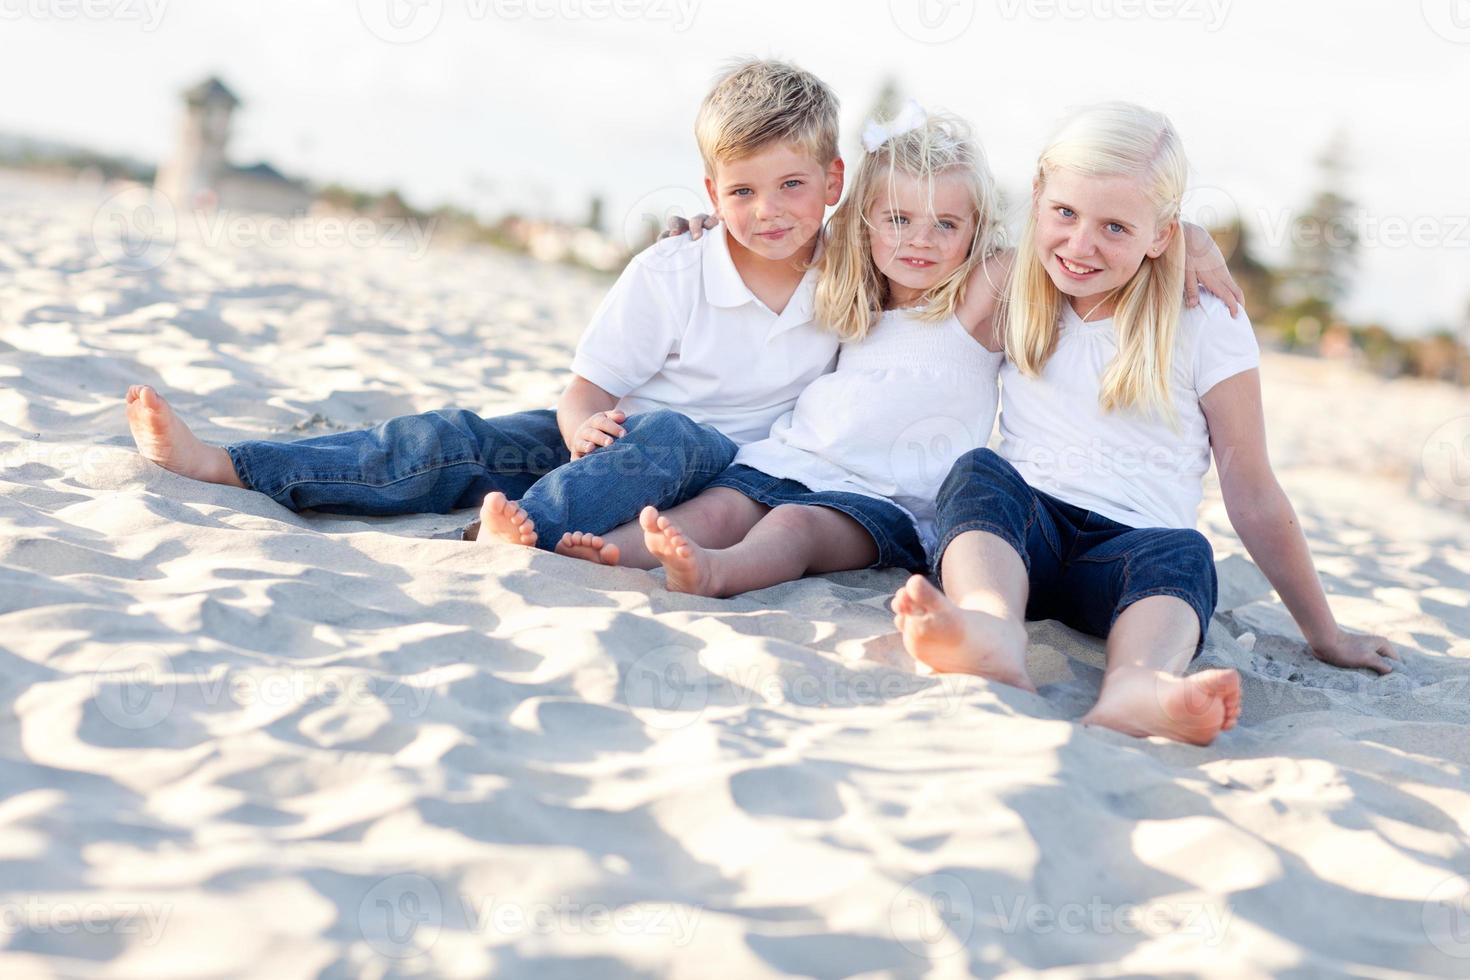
(890, 526)
(446, 460)
(1084, 568)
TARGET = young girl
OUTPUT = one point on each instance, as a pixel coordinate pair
(847, 479)
(1113, 397)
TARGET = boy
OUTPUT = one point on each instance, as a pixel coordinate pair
(697, 349)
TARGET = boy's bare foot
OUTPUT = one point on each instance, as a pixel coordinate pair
(588, 547)
(503, 520)
(689, 567)
(1191, 709)
(959, 641)
(163, 438)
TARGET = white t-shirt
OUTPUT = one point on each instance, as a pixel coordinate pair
(681, 330)
(1125, 465)
(903, 405)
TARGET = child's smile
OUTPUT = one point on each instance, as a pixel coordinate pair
(917, 240)
(1092, 234)
(773, 201)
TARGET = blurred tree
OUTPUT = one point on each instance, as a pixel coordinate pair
(1324, 247)
(885, 105)
(888, 101)
(1257, 280)
(594, 212)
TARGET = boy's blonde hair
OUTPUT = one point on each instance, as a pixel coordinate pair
(851, 292)
(1113, 139)
(756, 103)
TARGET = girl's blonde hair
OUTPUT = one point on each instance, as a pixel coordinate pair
(851, 292)
(1114, 139)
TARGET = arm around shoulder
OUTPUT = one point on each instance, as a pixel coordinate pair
(982, 297)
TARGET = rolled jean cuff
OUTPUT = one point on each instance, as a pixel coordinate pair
(242, 469)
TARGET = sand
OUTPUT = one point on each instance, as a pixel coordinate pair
(238, 741)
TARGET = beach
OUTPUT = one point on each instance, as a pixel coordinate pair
(239, 741)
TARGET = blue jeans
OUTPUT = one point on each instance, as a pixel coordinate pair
(890, 526)
(1084, 568)
(446, 460)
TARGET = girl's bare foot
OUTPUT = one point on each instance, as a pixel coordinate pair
(689, 567)
(1191, 709)
(503, 520)
(588, 547)
(959, 641)
(163, 438)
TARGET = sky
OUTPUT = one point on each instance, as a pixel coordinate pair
(537, 105)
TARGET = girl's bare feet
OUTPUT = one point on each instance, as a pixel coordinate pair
(588, 547)
(1193, 709)
(163, 438)
(503, 520)
(953, 640)
(689, 567)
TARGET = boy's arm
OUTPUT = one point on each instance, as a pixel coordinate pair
(586, 417)
(629, 339)
(1205, 265)
(1268, 526)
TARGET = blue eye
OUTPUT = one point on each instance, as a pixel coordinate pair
(947, 225)
(899, 219)
(741, 191)
(1116, 228)
(1066, 212)
(793, 182)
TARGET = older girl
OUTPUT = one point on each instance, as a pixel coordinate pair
(1113, 397)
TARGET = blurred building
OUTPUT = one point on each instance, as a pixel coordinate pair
(200, 175)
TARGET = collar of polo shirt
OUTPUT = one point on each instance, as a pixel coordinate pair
(724, 287)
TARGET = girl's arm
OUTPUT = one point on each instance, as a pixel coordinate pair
(1268, 525)
(983, 291)
(1204, 265)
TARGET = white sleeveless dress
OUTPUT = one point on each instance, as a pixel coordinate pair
(901, 407)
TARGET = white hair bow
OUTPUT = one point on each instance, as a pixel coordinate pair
(909, 118)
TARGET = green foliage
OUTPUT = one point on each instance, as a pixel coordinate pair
(1295, 308)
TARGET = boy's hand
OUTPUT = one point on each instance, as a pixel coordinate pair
(1204, 265)
(599, 430)
(679, 226)
(1350, 650)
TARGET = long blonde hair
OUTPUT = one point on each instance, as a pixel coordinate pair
(851, 292)
(1114, 139)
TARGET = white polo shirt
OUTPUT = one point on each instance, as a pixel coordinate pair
(681, 330)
